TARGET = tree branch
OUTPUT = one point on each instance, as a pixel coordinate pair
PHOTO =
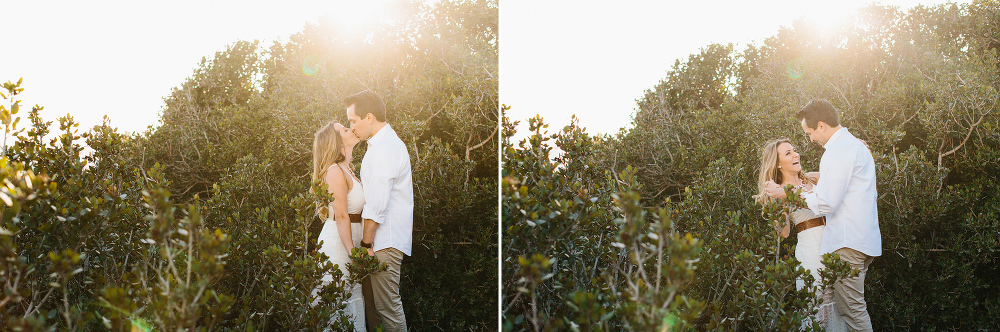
(488, 138)
(967, 136)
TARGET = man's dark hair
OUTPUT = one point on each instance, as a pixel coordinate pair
(366, 102)
(818, 110)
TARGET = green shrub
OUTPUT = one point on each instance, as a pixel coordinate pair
(585, 254)
(919, 86)
(205, 221)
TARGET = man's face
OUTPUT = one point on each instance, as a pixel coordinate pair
(816, 135)
(362, 127)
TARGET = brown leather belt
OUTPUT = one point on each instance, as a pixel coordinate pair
(810, 224)
(355, 218)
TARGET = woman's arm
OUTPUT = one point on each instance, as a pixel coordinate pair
(784, 230)
(337, 182)
(814, 176)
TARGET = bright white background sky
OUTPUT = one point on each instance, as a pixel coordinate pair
(595, 58)
(120, 58)
(557, 57)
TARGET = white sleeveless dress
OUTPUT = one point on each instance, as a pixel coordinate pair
(807, 253)
(333, 247)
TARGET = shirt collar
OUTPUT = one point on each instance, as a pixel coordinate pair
(380, 135)
(835, 136)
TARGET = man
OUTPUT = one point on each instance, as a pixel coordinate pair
(846, 195)
(388, 211)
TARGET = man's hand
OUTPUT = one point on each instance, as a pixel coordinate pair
(370, 252)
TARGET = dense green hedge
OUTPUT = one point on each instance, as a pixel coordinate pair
(205, 220)
(919, 85)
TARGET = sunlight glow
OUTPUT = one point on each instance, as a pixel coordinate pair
(354, 17)
(353, 22)
(828, 16)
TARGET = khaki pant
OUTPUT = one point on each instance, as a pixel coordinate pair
(849, 293)
(383, 290)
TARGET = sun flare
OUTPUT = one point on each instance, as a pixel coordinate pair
(354, 17)
(827, 16)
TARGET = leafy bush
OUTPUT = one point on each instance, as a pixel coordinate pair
(205, 221)
(920, 86)
(584, 253)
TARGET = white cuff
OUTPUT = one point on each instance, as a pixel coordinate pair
(811, 201)
(373, 216)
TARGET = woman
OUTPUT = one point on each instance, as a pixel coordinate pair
(780, 167)
(332, 147)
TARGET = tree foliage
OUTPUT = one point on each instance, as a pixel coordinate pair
(206, 221)
(919, 85)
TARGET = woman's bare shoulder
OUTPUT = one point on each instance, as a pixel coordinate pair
(334, 175)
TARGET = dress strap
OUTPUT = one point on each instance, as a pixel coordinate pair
(348, 177)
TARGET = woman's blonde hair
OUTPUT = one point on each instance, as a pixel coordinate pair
(769, 170)
(327, 151)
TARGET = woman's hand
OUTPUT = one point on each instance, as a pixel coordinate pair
(773, 190)
(813, 176)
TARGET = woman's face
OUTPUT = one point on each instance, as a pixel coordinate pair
(788, 159)
(346, 135)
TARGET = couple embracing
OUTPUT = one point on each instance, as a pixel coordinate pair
(372, 210)
(842, 214)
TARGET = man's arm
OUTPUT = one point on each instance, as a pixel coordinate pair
(377, 189)
(376, 202)
(369, 234)
(829, 192)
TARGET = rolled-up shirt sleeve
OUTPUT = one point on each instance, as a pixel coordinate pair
(810, 198)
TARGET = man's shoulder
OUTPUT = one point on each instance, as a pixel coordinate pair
(395, 143)
(391, 145)
(846, 142)
(847, 150)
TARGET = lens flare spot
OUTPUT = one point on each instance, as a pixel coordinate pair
(795, 69)
(140, 325)
(669, 322)
(311, 65)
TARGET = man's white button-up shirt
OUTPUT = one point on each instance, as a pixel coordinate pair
(385, 175)
(846, 195)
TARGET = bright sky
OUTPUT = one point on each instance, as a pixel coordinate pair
(557, 57)
(595, 58)
(120, 58)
